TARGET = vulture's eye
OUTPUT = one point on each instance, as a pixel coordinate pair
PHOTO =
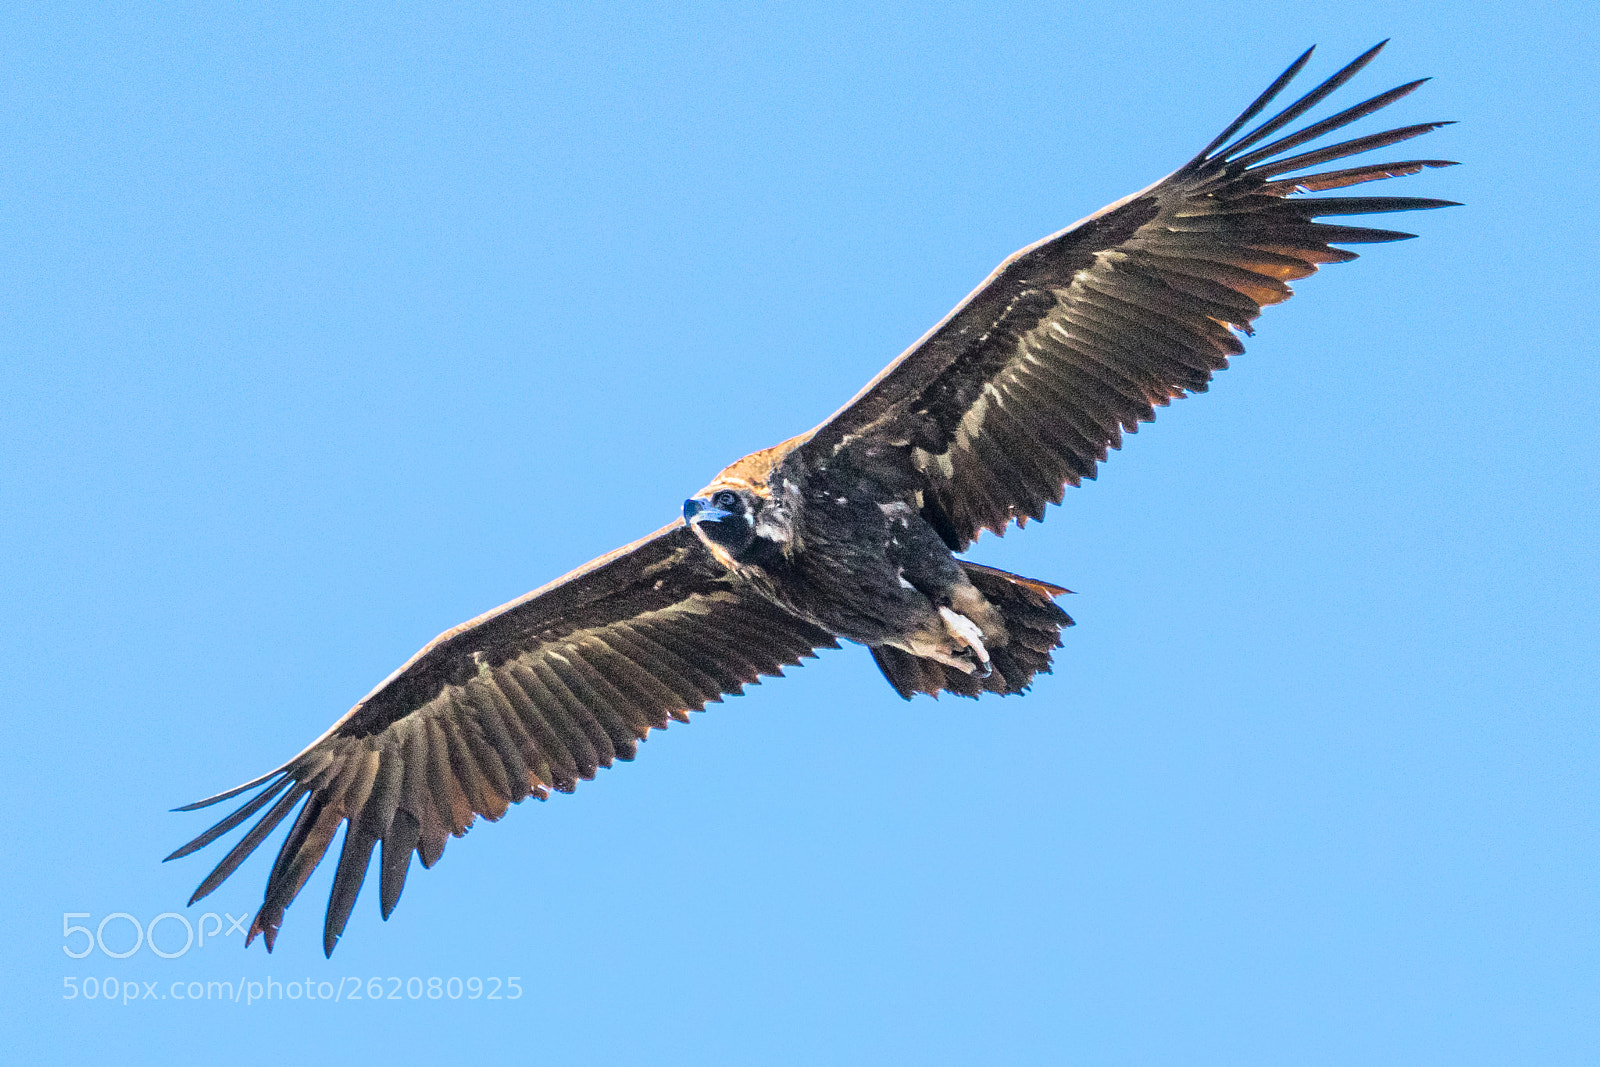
(727, 500)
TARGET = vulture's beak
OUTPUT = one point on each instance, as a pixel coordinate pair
(699, 509)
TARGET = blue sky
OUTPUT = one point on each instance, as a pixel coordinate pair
(323, 329)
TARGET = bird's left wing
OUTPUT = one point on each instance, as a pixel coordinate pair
(1022, 388)
(529, 697)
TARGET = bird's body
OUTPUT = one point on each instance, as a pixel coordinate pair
(851, 531)
(841, 542)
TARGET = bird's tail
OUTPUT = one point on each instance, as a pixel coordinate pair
(1033, 623)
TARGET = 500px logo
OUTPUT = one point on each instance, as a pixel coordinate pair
(144, 935)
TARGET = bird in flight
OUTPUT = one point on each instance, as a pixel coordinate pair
(848, 531)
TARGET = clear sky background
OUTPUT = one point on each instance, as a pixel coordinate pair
(326, 327)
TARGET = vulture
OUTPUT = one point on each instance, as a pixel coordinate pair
(851, 531)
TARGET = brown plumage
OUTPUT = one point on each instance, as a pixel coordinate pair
(844, 532)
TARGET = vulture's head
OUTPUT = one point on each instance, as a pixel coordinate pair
(748, 508)
(724, 518)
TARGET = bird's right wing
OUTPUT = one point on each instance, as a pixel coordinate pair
(529, 697)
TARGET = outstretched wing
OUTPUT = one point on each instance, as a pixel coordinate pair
(527, 698)
(1020, 391)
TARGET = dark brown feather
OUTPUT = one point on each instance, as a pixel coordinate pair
(347, 878)
(398, 844)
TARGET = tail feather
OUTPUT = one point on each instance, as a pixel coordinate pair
(1032, 619)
